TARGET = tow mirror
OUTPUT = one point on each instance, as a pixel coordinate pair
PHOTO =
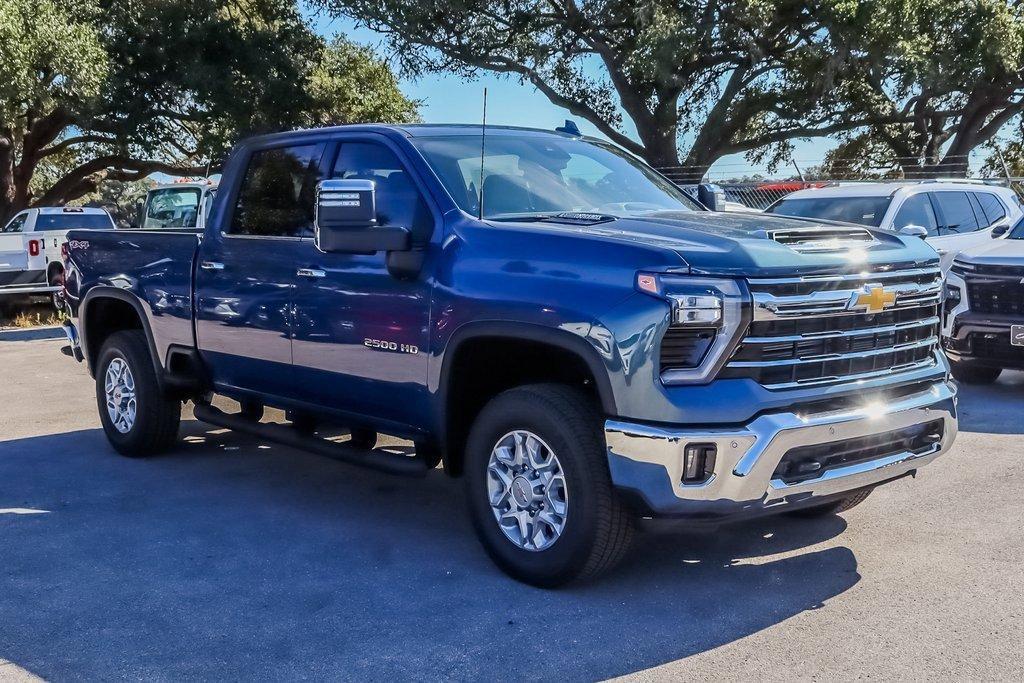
(346, 220)
(711, 196)
(914, 231)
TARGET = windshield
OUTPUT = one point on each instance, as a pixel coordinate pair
(547, 175)
(862, 210)
(172, 208)
(73, 221)
(1017, 233)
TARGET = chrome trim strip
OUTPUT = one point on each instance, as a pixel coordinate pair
(930, 341)
(860, 377)
(767, 306)
(814, 336)
(848, 277)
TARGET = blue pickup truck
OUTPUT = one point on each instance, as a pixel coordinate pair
(545, 315)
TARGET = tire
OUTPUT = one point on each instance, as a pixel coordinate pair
(835, 507)
(54, 280)
(596, 530)
(154, 426)
(362, 438)
(971, 373)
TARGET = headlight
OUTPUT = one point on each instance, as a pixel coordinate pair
(708, 315)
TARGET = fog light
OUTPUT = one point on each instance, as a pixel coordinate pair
(698, 462)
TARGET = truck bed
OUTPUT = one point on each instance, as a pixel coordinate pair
(157, 267)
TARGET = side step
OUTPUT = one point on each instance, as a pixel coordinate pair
(283, 434)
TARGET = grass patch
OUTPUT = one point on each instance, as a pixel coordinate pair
(30, 315)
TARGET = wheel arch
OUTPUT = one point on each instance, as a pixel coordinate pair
(120, 310)
(528, 353)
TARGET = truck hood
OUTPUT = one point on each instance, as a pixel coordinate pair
(1000, 252)
(743, 244)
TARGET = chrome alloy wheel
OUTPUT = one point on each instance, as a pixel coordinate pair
(119, 387)
(527, 490)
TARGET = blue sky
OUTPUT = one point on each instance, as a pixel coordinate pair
(450, 99)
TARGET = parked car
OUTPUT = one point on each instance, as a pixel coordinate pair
(543, 313)
(983, 326)
(950, 215)
(179, 205)
(30, 248)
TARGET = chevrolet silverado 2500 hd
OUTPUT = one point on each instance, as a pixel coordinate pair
(547, 316)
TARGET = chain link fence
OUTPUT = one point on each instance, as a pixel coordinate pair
(760, 188)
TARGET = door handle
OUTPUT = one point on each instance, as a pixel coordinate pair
(311, 272)
(211, 265)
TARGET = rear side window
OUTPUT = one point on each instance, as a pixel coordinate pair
(957, 215)
(990, 206)
(277, 192)
(73, 221)
(16, 225)
(398, 200)
(917, 211)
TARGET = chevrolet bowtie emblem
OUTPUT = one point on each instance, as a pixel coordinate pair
(872, 299)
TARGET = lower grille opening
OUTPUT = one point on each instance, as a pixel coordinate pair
(996, 347)
(810, 462)
(684, 348)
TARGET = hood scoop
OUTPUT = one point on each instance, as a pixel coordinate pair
(820, 239)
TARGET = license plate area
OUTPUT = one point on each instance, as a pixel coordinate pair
(1017, 335)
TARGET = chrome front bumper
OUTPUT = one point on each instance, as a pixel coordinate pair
(646, 462)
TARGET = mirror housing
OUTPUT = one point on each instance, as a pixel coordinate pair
(346, 220)
(914, 230)
(1000, 229)
(712, 196)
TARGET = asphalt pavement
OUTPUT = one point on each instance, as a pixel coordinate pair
(232, 559)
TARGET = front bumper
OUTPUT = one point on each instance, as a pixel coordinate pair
(646, 462)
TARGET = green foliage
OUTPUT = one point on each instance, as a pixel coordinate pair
(114, 90)
(51, 52)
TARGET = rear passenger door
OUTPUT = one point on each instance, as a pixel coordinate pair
(246, 275)
(361, 333)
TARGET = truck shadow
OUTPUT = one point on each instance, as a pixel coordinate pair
(230, 558)
(993, 408)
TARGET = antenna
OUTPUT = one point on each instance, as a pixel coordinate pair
(483, 135)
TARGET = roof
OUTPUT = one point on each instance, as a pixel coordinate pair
(412, 130)
(888, 189)
(70, 209)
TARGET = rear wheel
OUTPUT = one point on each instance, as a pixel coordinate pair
(56, 279)
(835, 507)
(137, 417)
(972, 373)
(539, 491)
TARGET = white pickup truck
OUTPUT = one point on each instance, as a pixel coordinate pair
(30, 248)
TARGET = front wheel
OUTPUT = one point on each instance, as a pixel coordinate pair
(137, 417)
(539, 491)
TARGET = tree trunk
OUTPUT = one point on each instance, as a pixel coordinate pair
(7, 189)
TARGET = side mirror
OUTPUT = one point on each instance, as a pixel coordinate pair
(1000, 229)
(914, 231)
(346, 220)
(711, 196)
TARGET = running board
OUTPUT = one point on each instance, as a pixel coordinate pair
(288, 436)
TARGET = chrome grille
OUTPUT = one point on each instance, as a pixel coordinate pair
(803, 332)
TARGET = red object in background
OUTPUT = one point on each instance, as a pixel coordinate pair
(33, 247)
(790, 185)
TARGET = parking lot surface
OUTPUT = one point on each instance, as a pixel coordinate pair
(234, 559)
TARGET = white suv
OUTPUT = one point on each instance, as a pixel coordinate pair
(30, 247)
(950, 215)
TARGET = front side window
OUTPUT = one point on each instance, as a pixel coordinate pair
(957, 215)
(277, 192)
(917, 211)
(860, 210)
(543, 175)
(398, 201)
(17, 224)
(171, 208)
